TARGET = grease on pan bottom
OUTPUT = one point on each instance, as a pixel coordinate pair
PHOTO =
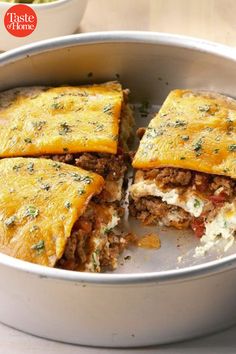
(176, 251)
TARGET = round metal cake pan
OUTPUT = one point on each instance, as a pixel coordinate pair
(128, 308)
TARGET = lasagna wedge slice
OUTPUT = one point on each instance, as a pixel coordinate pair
(87, 126)
(186, 167)
(48, 216)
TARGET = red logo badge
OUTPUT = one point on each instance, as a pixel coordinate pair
(20, 20)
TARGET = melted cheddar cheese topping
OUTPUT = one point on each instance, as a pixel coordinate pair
(192, 130)
(40, 120)
(40, 202)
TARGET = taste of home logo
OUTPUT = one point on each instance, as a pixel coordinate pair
(20, 20)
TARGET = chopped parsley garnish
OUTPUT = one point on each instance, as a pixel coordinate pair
(209, 129)
(82, 94)
(56, 165)
(182, 158)
(99, 128)
(34, 228)
(179, 123)
(28, 141)
(204, 108)
(86, 179)
(115, 137)
(17, 167)
(197, 203)
(95, 258)
(153, 132)
(32, 212)
(39, 246)
(64, 129)
(108, 108)
(216, 151)
(78, 178)
(81, 191)
(10, 221)
(107, 230)
(62, 174)
(30, 167)
(45, 186)
(185, 137)
(232, 147)
(198, 147)
(38, 124)
(68, 205)
(57, 105)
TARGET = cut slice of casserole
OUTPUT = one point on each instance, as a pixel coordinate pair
(87, 126)
(186, 167)
(48, 216)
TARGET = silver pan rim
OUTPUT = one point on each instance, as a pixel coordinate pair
(179, 275)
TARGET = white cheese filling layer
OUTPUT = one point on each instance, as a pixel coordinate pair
(220, 230)
(191, 203)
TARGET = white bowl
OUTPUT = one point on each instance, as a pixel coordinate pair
(57, 18)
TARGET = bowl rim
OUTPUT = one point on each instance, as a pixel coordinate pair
(48, 5)
(177, 275)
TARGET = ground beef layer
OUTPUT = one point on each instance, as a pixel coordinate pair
(90, 247)
(169, 177)
(152, 210)
(110, 167)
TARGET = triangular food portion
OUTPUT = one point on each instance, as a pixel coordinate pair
(55, 120)
(44, 204)
(186, 167)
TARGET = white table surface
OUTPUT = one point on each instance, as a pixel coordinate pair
(16, 342)
(209, 19)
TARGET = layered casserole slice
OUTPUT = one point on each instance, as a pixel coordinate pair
(86, 126)
(48, 216)
(186, 167)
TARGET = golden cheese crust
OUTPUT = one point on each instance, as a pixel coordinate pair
(40, 202)
(41, 120)
(193, 130)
